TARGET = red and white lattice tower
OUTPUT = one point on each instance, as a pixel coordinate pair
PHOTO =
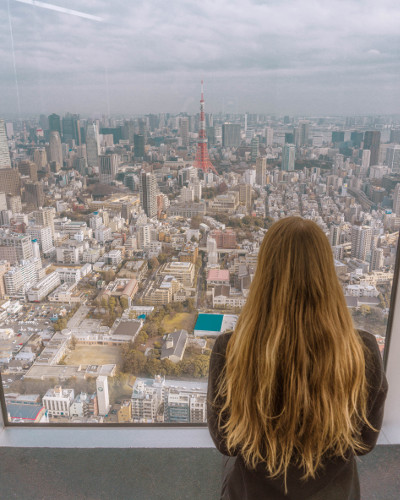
(202, 159)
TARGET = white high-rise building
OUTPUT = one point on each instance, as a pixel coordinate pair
(184, 131)
(212, 254)
(103, 399)
(288, 157)
(5, 161)
(92, 145)
(393, 158)
(365, 160)
(360, 241)
(44, 237)
(269, 136)
(396, 200)
(55, 148)
(108, 168)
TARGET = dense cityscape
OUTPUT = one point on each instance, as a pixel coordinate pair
(128, 244)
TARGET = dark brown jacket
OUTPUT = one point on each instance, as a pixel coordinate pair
(337, 480)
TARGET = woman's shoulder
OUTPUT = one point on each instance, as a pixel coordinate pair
(373, 358)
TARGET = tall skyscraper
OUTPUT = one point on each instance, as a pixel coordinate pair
(92, 145)
(10, 181)
(138, 145)
(254, 148)
(71, 128)
(356, 138)
(261, 170)
(245, 195)
(148, 193)
(365, 159)
(395, 136)
(337, 136)
(372, 140)
(184, 131)
(360, 241)
(5, 161)
(55, 123)
(393, 158)
(45, 217)
(40, 157)
(288, 157)
(55, 148)
(231, 135)
(269, 136)
(34, 194)
(108, 168)
(28, 168)
(301, 133)
(396, 200)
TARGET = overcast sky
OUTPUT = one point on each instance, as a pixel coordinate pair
(284, 56)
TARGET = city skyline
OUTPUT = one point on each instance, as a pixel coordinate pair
(253, 56)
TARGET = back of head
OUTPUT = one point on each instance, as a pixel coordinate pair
(294, 382)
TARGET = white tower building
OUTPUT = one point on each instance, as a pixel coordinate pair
(5, 161)
(103, 399)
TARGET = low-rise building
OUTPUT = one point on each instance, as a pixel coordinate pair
(174, 345)
(43, 287)
(57, 401)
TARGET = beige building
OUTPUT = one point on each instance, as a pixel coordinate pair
(184, 272)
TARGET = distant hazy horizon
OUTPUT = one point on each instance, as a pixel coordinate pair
(276, 57)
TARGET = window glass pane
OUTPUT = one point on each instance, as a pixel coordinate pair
(133, 201)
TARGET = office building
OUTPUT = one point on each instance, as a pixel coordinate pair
(34, 194)
(356, 138)
(360, 241)
(138, 145)
(14, 203)
(254, 148)
(10, 181)
(55, 123)
(71, 129)
(288, 157)
(45, 217)
(43, 287)
(261, 170)
(231, 135)
(393, 158)
(372, 140)
(44, 237)
(396, 200)
(395, 136)
(337, 136)
(55, 148)
(40, 158)
(184, 131)
(148, 193)
(57, 401)
(5, 160)
(29, 169)
(245, 195)
(302, 133)
(19, 242)
(269, 136)
(3, 202)
(365, 159)
(108, 168)
(92, 145)
(377, 259)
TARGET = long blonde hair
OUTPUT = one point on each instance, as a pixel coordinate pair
(294, 385)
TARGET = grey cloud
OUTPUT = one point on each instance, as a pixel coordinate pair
(260, 55)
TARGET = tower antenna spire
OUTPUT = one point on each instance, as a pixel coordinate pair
(202, 160)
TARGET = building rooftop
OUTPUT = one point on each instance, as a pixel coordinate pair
(28, 412)
(218, 275)
(209, 322)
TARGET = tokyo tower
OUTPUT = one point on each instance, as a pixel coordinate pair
(202, 159)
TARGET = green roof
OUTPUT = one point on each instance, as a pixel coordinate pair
(209, 322)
